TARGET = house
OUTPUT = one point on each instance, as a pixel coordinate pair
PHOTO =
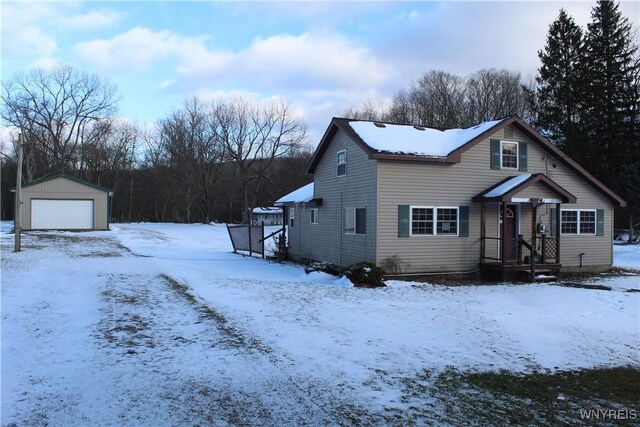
(267, 216)
(64, 202)
(495, 198)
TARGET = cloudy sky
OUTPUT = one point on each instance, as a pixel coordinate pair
(322, 56)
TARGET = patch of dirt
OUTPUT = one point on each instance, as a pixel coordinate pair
(123, 324)
(581, 286)
(231, 335)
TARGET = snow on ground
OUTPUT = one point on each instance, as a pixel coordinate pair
(627, 256)
(160, 324)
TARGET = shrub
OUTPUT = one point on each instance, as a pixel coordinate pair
(281, 251)
(366, 275)
(324, 267)
(394, 265)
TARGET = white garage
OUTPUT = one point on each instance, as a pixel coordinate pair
(64, 202)
(61, 214)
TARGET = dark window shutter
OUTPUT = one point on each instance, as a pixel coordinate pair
(495, 154)
(522, 156)
(463, 213)
(553, 222)
(403, 220)
(600, 222)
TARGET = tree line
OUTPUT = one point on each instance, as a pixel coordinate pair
(214, 161)
(202, 162)
(585, 99)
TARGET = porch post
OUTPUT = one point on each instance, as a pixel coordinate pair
(558, 228)
(534, 215)
(503, 228)
(482, 232)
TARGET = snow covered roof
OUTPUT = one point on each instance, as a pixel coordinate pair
(267, 210)
(507, 188)
(508, 185)
(416, 140)
(301, 195)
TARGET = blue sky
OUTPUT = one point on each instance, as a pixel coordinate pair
(322, 56)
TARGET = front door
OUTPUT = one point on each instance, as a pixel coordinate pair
(511, 232)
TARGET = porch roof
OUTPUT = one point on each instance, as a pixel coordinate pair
(301, 195)
(505, 190)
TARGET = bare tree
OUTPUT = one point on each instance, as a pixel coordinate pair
(444, 100)
(188, 144)
(58, 111)
(254, 136)
(493, 94)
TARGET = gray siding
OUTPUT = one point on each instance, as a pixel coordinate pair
(403, 183)
(326, 241)
(65, 189)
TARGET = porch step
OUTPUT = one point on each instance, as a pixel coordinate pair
(545, 278)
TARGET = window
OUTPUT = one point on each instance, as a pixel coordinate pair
(447, 221)
(578, 222)
(422, 221)
(314, 216)
(342, 163)
(292, 217)
(439, 221)
(355, 221)
(587, 222)
(509, 155)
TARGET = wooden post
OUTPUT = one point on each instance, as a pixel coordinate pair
(17, 226)
(558, 228)
(249, 228)
(543, 254)
(519, 249)
(262, 228)
(534, 215)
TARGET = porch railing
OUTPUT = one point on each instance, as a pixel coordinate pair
(520, 252)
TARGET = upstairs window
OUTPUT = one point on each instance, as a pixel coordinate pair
(342, 163)
(509, 155)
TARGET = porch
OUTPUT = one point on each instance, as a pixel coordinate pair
(510, 251)
(522, 265)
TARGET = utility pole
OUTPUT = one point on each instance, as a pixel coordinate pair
(16, 222)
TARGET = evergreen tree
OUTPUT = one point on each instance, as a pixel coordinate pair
(558, 81)
(610, 100)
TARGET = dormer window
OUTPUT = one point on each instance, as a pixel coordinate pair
(342, 163)
(509, 155)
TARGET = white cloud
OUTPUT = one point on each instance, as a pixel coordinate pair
(32, 29)
(276, 63)
(137, 49)
(22, 33)
(98, 18)
(313, 57)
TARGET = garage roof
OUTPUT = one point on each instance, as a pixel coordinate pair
(64, 175)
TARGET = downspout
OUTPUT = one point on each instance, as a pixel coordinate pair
(109, 196)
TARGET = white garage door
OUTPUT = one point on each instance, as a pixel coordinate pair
(61, 214)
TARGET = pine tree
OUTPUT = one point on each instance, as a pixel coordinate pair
(610, 100)
(558, 81)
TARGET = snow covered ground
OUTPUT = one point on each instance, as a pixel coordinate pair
(160, 324)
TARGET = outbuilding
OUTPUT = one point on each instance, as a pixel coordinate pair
(267, 216)
(64, 202)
